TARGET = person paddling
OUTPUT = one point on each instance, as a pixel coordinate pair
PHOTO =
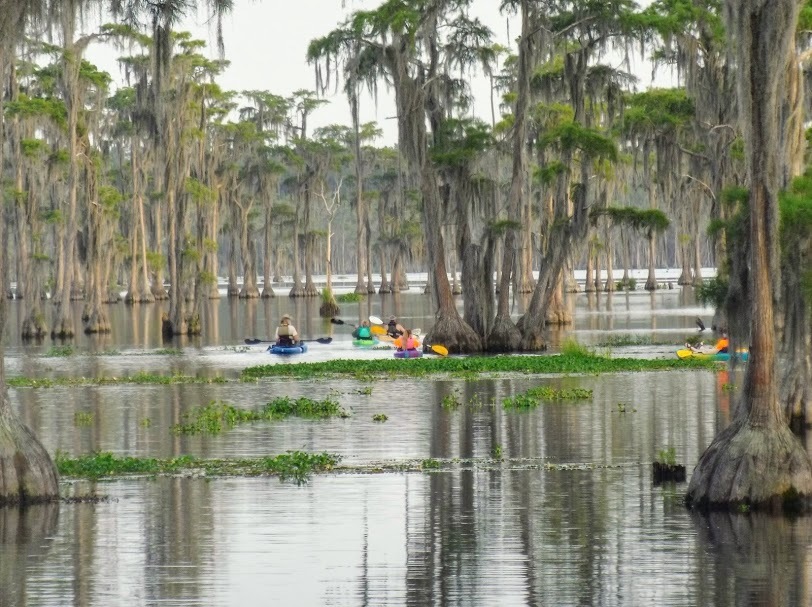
(363, 332)
(286, 334)
(393, 329)
(406, 342)
(721, 346)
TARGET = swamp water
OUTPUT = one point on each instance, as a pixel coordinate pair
(549, 506)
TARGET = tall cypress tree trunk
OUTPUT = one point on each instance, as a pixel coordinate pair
(504, 336)
(27, 473)
(757, 460)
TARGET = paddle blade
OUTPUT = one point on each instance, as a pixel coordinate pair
(336, 321)
(684, 353)
(377, 330)
(325, 340)
(375, 320)
(252, 341)
(441, 350)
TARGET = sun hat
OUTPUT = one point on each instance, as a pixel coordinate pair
(285, 317)
(392, 318)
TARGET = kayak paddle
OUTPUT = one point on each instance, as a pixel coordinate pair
(375, 320)
(338, 321)
(438, 349)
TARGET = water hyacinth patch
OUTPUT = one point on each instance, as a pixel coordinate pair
(469, 366)
(535, 396)
(293, 465)
(219, 416)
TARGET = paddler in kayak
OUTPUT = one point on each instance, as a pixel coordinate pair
(393, 328)
(363, 331)
(721, 346)
(406, 342)
(286, 334)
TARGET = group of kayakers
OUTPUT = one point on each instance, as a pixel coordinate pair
(286, 334)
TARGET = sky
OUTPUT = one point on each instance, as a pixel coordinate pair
(266, 42)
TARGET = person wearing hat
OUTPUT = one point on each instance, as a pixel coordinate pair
(393, 329)
(286, 334)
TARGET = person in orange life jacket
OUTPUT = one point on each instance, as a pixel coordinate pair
(407, 342)
(363, 332)
(723, 344)
(393, 329)
(286, 334)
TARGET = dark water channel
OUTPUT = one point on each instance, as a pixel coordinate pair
(570, 516)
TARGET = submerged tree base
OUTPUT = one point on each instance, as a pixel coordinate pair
(504, 336)
(455, 334)
(750, 467)
(27, 474)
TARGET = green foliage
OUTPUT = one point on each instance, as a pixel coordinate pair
(573, 136)
(82, 418)
(460, 142)
(379, 417)
(469, 366)
(169, 351)
(37, 107)
(712, 291)
(218, 416)
(140, 378)
(451, 401)
(59, 351)
(658, 110)
(535, 396)
(213, 419)
(496, 451)
(303, 407)
(155, 260)
(431, 464)
(32, 148)
(350, 297)
(570, 347)
(547, 174)
(294, 465)
(667, 456)
(734, 195)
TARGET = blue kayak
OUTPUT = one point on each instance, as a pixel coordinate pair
(408, 353)
(297, 349)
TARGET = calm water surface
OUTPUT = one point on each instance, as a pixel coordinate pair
(570, 516)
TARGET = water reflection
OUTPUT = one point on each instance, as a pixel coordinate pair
(757, 559)
(548, 506)
(26, 537)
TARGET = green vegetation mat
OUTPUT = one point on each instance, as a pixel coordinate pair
(564, 363)
(295, 465)
(467, 367)
(298, 466)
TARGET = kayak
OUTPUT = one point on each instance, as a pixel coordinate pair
(360, 342)
(408, 353)
(741, 355)
(297, 349)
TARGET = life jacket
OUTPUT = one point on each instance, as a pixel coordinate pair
(392, 328)
(411, 344)
(284, 330)
(364, 333)
(722, 345)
